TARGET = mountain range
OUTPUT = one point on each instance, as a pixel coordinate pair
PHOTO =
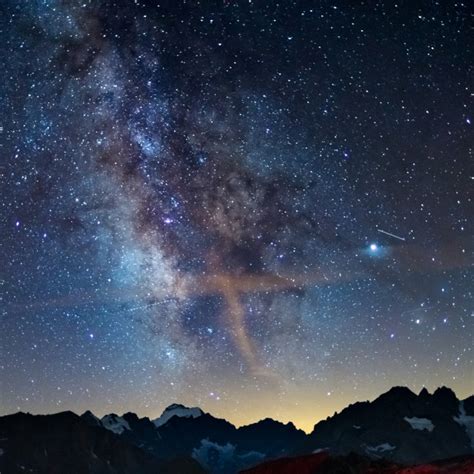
(397, 429)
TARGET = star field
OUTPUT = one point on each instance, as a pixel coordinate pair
(260, 208)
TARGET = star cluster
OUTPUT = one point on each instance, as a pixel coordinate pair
(220, 202)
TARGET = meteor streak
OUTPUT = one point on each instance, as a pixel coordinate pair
(391, 235)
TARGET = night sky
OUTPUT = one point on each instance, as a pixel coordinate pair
(257, 207)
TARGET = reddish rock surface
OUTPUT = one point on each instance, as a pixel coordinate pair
(301, 465)
(323, 463)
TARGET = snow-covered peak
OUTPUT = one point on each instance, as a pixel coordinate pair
(177, 410)
(115, 423)
(420, 423)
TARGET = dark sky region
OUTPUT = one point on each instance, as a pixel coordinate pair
(258, 207)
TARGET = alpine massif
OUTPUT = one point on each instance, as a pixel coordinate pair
(397, 429)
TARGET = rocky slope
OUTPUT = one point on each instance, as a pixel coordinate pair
(323, 463)
(399, 426)
(65, 443)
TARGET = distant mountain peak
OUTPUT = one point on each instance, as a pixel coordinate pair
(176, 406)
(115, 423)
(398, 391)
(176, 409)
(424, 392)
(90, 418)
(270, 423)
(444, 392)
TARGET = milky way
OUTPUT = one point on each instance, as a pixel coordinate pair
(260, 208)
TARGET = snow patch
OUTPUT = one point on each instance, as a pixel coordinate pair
(1, 452)
(466, 421)
(179, 411)
(115, 423)
(420, 423)
(222, 459)
(320, 450)
(381, 448)
(356, 427)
